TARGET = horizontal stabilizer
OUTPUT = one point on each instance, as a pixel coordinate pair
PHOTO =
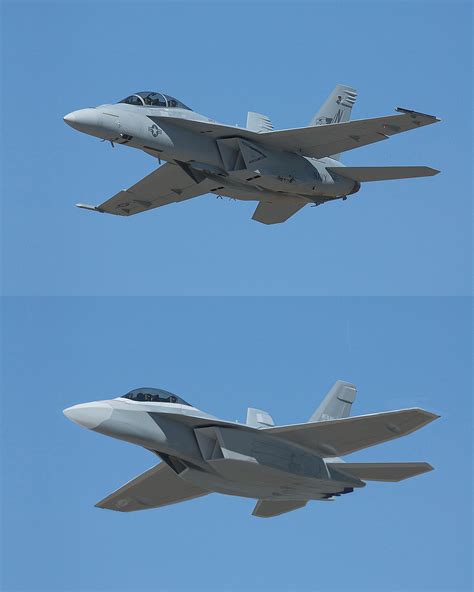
(278, 210)
(343, 436)
(365, 174)
(159, 486)
(270, 508)
(396, 471)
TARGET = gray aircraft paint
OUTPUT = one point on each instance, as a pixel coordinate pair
(284, 170)
(273, 464)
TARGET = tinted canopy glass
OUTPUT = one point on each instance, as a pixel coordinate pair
(154, 99)
(153, 395)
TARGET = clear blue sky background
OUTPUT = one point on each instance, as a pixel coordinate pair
(388, 272)
(223, 355)
(223, 59)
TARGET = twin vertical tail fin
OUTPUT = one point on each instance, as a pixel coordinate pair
(337, 403)
(336, 109)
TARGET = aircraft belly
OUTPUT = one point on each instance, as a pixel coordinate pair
(253, 464)
(261, 188)
(248, 191)
(263, 170)
(244, 479)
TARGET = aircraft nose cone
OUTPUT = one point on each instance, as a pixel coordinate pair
(70, 118)
(89, 415)
(83, 120)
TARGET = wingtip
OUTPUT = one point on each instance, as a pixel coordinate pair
(414, 113)
(88, 207)
(429, 415)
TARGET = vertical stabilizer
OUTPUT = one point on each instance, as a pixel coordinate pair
(337, 403)
(256, 418)
(337, 108)
(259, 123)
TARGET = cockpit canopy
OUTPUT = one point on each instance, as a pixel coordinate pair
(153, 395)
(153, 99)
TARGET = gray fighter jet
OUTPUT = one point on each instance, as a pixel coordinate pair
(282, 467)
(283, 170)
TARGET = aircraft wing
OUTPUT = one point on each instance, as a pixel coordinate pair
(278, 210)
(167, 184)
(270, 508)
(315, 141)
(159, 486)
(343, 436)
(324, 140)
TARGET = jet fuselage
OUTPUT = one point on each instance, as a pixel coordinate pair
(257, 168)
(225, 457)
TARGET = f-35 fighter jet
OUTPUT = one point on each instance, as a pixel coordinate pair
(283, 170)
(282, 467)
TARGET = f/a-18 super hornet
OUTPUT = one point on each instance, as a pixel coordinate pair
(283, 467)
(283, 170)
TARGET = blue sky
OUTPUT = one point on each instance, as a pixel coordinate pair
(224, 59)
(223, 355)
(375, 290)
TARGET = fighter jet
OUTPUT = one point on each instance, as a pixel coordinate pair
(282, 170)
(282, 467)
